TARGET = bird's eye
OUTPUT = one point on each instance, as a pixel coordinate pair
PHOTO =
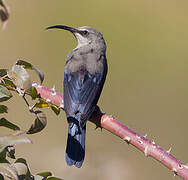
(85, 32)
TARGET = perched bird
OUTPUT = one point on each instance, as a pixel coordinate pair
(84, 76)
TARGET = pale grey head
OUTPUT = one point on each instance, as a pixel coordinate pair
(86, 36)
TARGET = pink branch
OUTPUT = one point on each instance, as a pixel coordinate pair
(109, 123)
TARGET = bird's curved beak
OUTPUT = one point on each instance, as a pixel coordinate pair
(71, 29)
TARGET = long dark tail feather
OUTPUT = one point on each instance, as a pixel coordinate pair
(75, 151)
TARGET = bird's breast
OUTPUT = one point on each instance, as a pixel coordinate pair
(91, 62)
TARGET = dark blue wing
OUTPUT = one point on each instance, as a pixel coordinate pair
(81, 93)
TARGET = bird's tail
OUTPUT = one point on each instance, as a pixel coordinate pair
(75, 151)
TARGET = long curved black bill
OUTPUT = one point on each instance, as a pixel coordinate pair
(63, 27)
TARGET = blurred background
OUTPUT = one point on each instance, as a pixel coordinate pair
(146, 87)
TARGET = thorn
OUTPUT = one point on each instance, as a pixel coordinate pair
(111, 117)
(139, 139)
(54, 93)
(168, 152)
(127, 139)
(34, 84)
(153, 142)
(162, 156)
(53, 88)
(48, 100)
(175, 171)
(180, 166)
(39, 86)
(61, 106)
(98, 127)
(154, 145)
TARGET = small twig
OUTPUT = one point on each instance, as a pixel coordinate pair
(25, 100)
(2, 78)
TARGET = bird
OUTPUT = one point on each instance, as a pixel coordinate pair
(84, 76)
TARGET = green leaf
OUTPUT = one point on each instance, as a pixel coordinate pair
(56, 109)
(8, 171)
(4, 94)
(2, 156)
(23, 161)
(6, 123)
(3, 109)
(37, 177)
(27, 65)
(54, 178)
(20, 77)
(42, 104)
(8, 82)
(39, 123)
(12, 140)
(33, 93)
(3, 72)
(45, 174)
(21, 168)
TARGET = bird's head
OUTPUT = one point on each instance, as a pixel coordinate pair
(84, 35)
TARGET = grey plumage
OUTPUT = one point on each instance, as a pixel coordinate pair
(84, 76)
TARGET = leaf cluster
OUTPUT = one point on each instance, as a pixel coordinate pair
(17, 79)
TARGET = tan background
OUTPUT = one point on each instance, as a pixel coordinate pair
(146, 87)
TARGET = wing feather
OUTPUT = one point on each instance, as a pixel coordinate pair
(81, 92)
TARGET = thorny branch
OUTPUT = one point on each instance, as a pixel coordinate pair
(149, 148)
